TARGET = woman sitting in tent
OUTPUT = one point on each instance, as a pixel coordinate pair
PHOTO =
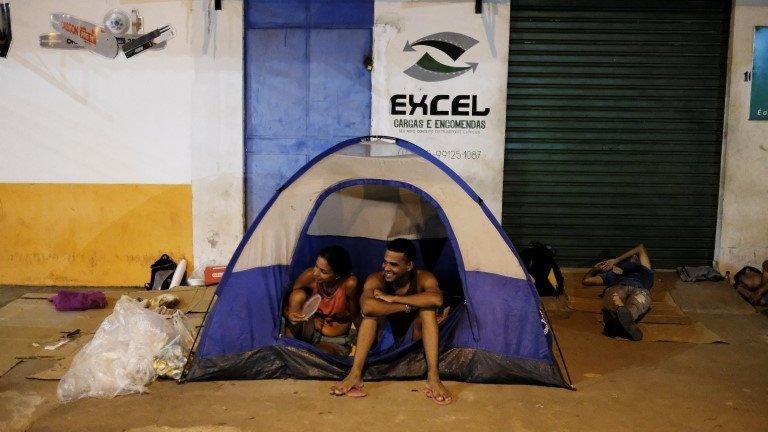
(332, 289)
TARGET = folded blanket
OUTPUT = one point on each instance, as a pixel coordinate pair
(695, 274)
(73, 300)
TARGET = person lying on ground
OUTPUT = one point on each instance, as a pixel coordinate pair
(752, 284)
(330, 278)
(627, 297)
(403, 300)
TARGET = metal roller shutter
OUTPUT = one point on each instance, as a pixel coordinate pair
(614, 127)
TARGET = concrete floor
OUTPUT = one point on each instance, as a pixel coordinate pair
(622, 386)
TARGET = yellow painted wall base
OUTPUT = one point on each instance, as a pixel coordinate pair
(91, 234)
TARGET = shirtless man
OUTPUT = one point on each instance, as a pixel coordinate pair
(401, 295)
(752, 284)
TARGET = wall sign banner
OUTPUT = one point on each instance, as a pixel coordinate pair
(440, 81)
(758, 101)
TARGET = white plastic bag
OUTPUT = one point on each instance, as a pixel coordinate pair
(118, 360)
(170, 361)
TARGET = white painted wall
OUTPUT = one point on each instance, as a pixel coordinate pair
(218, 199)
(743, 223)
(162, 117)
(76, 117)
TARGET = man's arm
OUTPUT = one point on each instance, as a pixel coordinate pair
(639, 250)
(591, 278)
(744, 292)
(373, 307)
(759, 293)
(428, 296)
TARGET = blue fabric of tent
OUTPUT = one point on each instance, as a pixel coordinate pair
(495, 332)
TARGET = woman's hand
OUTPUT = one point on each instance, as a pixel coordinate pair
(295, 317)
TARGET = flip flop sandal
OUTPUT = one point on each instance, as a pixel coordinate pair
(355, 392)
(428, 392)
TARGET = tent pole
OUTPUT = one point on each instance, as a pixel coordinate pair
(191, 355)
(557, 344)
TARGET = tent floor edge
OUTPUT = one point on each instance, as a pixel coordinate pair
(456, 364)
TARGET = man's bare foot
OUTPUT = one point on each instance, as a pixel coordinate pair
(352, 381)
(437, 391)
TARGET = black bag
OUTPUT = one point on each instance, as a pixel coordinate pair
(162, 273)
(539, 259)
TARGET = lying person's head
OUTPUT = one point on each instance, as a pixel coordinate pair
(332, 263)
(398, 259)
(749, 278)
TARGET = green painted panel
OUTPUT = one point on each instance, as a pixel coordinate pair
(758, 101)
(614, 127)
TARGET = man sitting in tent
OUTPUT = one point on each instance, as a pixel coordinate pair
(627, 298)
(403, 300)
(334, 288)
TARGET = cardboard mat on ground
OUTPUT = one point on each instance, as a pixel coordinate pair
(30, 323)
(664, 309)
(665, 322)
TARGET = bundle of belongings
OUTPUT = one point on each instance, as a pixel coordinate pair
(130, 349)
(698, 273)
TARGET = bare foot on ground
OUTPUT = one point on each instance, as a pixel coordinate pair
(437, 391)
(352, 380)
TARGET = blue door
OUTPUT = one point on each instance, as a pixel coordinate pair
(306, 86)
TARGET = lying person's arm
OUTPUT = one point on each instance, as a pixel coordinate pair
(759, 293)
(744, 292)
(639, 251)
(371, 306)
(429, 298)
(592, 278)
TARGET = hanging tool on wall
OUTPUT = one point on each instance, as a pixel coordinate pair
(5, 29)
(149, 40)
(92, 37)
(106, 40)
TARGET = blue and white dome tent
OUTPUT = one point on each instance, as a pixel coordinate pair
(359, 194)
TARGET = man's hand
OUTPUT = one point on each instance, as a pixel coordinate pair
(606, 265)
(383, 296)
(295, 317)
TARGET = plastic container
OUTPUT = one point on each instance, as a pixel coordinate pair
(213, 274)
(195, 282)
(178, 275)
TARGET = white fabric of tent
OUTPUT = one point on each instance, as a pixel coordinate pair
(373, 212)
